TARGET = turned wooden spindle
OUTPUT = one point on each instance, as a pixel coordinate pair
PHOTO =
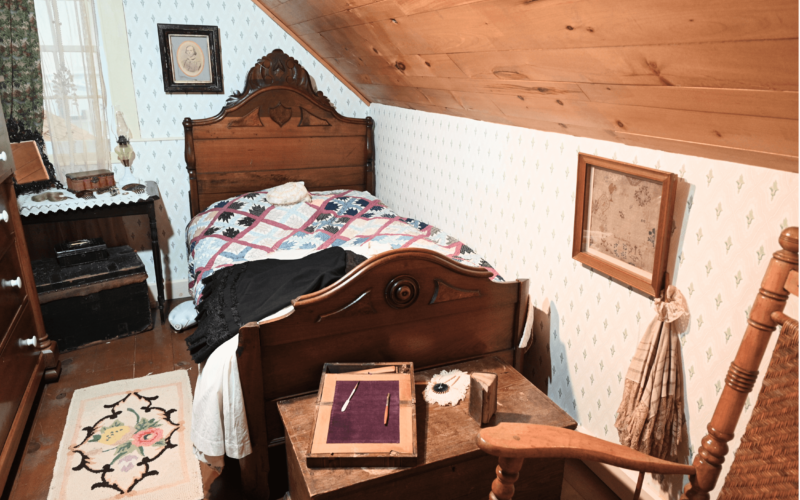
(743, 371)
(507, 474)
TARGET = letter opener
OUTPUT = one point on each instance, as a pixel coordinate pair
(344, 406)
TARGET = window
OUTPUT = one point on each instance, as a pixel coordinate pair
(76, 125)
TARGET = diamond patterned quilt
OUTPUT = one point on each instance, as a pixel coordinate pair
(248, 228)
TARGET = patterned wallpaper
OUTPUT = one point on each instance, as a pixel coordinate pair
(246, 34)
(510, 194)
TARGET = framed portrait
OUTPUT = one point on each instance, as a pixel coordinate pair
(190, 58)
(623, 221)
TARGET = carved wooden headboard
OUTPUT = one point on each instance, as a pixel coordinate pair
(278, 129)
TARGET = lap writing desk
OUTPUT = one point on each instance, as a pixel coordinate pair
(450, 465)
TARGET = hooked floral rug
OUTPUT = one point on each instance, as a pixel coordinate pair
(129, 439)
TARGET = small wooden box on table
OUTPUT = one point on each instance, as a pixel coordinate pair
(450, 464)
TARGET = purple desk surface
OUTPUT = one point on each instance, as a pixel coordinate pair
(362, 421)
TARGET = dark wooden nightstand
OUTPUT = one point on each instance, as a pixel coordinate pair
(450, 465)
(138, 207)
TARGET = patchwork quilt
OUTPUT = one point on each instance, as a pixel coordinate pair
(248, 228)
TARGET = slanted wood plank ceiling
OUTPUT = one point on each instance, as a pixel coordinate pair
(711, 78)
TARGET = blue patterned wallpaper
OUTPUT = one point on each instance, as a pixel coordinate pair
(509, 193)
(246, 34)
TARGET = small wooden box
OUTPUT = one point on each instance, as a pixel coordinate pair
(483, 397)
(322, 454)
(73, 253)
(91, 180)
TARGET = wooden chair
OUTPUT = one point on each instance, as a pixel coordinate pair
(766, 463)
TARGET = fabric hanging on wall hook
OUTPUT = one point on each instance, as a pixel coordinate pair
(651, 415)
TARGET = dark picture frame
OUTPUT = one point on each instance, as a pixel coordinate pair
(638, 255)
(17, 132)
(191, 59)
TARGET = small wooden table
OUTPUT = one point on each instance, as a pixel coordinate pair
(139, 207)
(450, 465)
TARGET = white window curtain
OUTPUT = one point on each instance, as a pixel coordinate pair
(75, 123)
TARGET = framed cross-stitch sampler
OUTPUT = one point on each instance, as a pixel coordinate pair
(623, 221)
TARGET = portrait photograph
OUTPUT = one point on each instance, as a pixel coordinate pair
(190, 57)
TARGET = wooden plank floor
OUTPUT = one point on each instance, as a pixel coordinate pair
(157, 351)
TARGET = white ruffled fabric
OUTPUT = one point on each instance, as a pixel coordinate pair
(651, 415)
(458, 382)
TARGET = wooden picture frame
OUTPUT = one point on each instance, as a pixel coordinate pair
(17, 134)
(634, 250)
(322, 454)
(191, 60)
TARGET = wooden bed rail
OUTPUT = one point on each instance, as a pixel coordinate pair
(743, 371)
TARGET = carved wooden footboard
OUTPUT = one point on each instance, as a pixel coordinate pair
(403, 305)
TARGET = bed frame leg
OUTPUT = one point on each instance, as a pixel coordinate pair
(255, 467)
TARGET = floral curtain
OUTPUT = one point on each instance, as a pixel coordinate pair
(21, 88)
(74, 92)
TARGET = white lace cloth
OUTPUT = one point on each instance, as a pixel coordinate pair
(29, 207)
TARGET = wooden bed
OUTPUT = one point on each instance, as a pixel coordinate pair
(278, 129)
(403, 305)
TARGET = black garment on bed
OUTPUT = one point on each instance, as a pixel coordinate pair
(250, 291)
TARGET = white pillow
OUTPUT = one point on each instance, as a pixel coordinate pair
(183, 316)
(288, 194)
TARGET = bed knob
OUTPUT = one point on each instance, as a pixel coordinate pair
(401, 292)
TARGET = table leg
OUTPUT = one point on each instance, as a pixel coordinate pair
(151, 212)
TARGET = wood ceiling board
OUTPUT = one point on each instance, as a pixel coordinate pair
(418, 6)
(754, 133)
(606, 23)
(553, 110)
(691, 74)
(441, 32)
(772, 135)
(764, 65)
(561, 90)
(574, 130)
(443, 98)
(310, 49)
(322, 47)
(366, 40)
(298, 11)
(405, 94)
(776, 104)
(385, 9)
(778, 162)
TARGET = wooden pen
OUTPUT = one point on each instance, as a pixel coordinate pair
(386, 412)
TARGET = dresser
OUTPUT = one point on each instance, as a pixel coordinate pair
(26, 354)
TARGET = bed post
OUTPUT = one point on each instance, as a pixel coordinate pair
(743, 372)
(191, 163)
(520, 313)
(254, 467)
(369, 168)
